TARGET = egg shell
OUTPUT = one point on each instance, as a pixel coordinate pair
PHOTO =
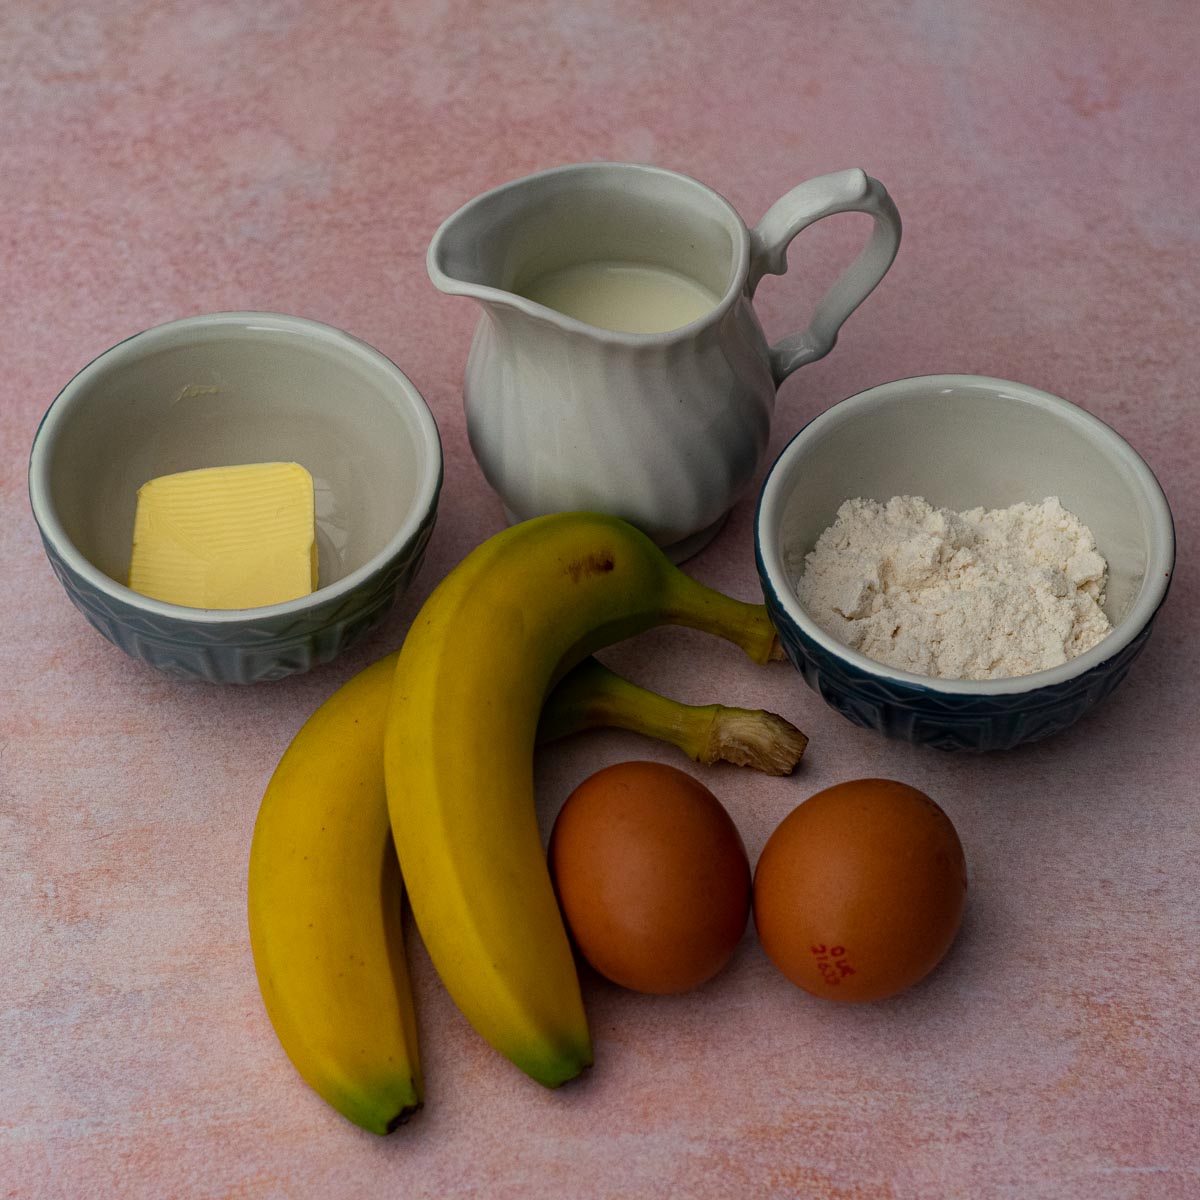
(860, 890)
(652, 876)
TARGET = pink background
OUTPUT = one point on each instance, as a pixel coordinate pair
(158, 160)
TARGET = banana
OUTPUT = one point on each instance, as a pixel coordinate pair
(475, 667)
(325, 891)
(328, 953)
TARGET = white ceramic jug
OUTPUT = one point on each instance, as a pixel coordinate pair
(665, 428)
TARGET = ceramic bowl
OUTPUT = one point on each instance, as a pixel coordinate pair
(962, 441)
(220, 390)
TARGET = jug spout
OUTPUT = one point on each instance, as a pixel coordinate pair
(480, 250)
(458, 259)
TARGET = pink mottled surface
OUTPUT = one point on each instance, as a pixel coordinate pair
(163, 159)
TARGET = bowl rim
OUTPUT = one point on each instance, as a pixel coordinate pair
(1159, 567)
(192, 328)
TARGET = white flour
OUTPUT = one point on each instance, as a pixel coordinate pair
(972, 595)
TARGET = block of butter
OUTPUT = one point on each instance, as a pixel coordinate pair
(226, 537)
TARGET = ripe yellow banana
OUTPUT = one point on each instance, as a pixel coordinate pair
(473, 672)
(325, 890)
(324, 907)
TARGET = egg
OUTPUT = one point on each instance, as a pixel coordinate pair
(860, 890)
(651, 875)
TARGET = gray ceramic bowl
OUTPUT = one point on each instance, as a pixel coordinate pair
(221, 390)
(962, 441)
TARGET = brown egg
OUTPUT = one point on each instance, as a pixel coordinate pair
(860, 890)
(652, 876)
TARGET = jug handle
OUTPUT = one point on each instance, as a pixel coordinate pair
(843, 191)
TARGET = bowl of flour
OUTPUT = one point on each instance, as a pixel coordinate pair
(962, 562)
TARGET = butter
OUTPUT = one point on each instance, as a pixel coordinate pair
(226, 537)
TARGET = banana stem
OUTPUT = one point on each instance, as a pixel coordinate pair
(591, 697)
(746, 625)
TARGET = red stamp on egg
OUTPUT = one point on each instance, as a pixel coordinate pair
(832, 963)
